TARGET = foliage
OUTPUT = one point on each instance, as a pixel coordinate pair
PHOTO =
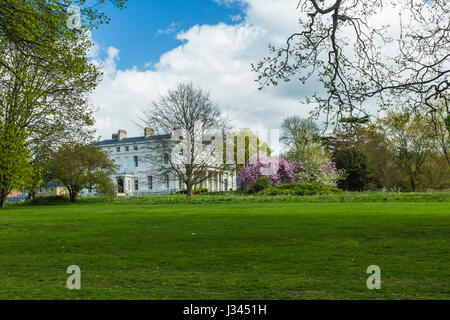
(47, 201)
(259, 185)
(277, 170)
(299, 189)
(410, 136)
(343, 45)
(195, 191)
(80, 166)
(15, 161)
(314, 162)
(355, 163)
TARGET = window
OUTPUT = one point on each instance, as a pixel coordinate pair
(118, 149)
(136, 185)
(136, 161)
(127, 162)
(118, 161)
(166, 158)
(136, 148)
(51, 189)
(167, 182)
(150, 183)
(127, 149)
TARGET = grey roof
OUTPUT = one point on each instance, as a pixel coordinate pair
(51, 184)
(134, 140)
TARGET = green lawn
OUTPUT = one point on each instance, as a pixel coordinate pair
(229, 248)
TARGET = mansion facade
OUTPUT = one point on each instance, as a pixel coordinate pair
(135, 175)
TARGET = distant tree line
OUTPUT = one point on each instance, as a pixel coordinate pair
(401, 151)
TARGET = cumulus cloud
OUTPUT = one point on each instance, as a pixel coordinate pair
(215, 57)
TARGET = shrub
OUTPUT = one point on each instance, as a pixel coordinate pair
(259, 185)
(195, 191)
(49, 200)
(277, 170)
(299, 189)
(356, 165)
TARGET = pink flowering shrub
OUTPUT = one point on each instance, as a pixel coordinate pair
(278, 170)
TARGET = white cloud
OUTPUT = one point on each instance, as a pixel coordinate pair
(216, 57)
(170, 29)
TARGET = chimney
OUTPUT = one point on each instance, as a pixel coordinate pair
(148, 132)
(122, 135)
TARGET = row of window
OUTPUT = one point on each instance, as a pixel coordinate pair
(150, 183)
(136, 161)
(127, 148)
(127, 161)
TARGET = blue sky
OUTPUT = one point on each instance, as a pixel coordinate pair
(197, 41)
(147, 28)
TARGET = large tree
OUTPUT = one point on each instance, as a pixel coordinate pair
(79, 166)
(194, 129)
(360, 61)
(45, 76)
(410, 137)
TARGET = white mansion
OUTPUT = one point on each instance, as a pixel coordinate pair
(136, 176)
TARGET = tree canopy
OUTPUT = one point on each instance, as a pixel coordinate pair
(362, 61)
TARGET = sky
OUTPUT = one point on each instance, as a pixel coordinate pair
(151, 46)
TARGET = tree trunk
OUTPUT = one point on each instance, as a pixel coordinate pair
(413, 185)
(2, 201)
(3, 198)
(189, 191)
(72, 195)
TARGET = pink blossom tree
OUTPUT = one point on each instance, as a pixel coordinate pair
(278, 170)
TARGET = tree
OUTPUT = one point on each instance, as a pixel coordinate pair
(360, 61)
(79, 166)
(194, 130)
(277, 170)
(411, 139)
(294, 126)
(45, 76)
(313, 161)
(33, 26)
(15, 161)
(355, 163)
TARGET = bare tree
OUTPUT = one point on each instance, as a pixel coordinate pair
(193, 148)
(294, 126)
(360, 62)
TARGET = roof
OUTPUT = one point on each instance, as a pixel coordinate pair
(134, 140)
(51, 185)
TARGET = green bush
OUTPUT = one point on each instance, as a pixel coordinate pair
(49, 200)
(299, 189)
(260, 184)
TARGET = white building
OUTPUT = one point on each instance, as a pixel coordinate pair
(136, 176)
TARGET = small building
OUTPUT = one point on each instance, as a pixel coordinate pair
(52, 189)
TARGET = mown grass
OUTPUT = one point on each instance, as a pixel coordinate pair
(229, 247)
